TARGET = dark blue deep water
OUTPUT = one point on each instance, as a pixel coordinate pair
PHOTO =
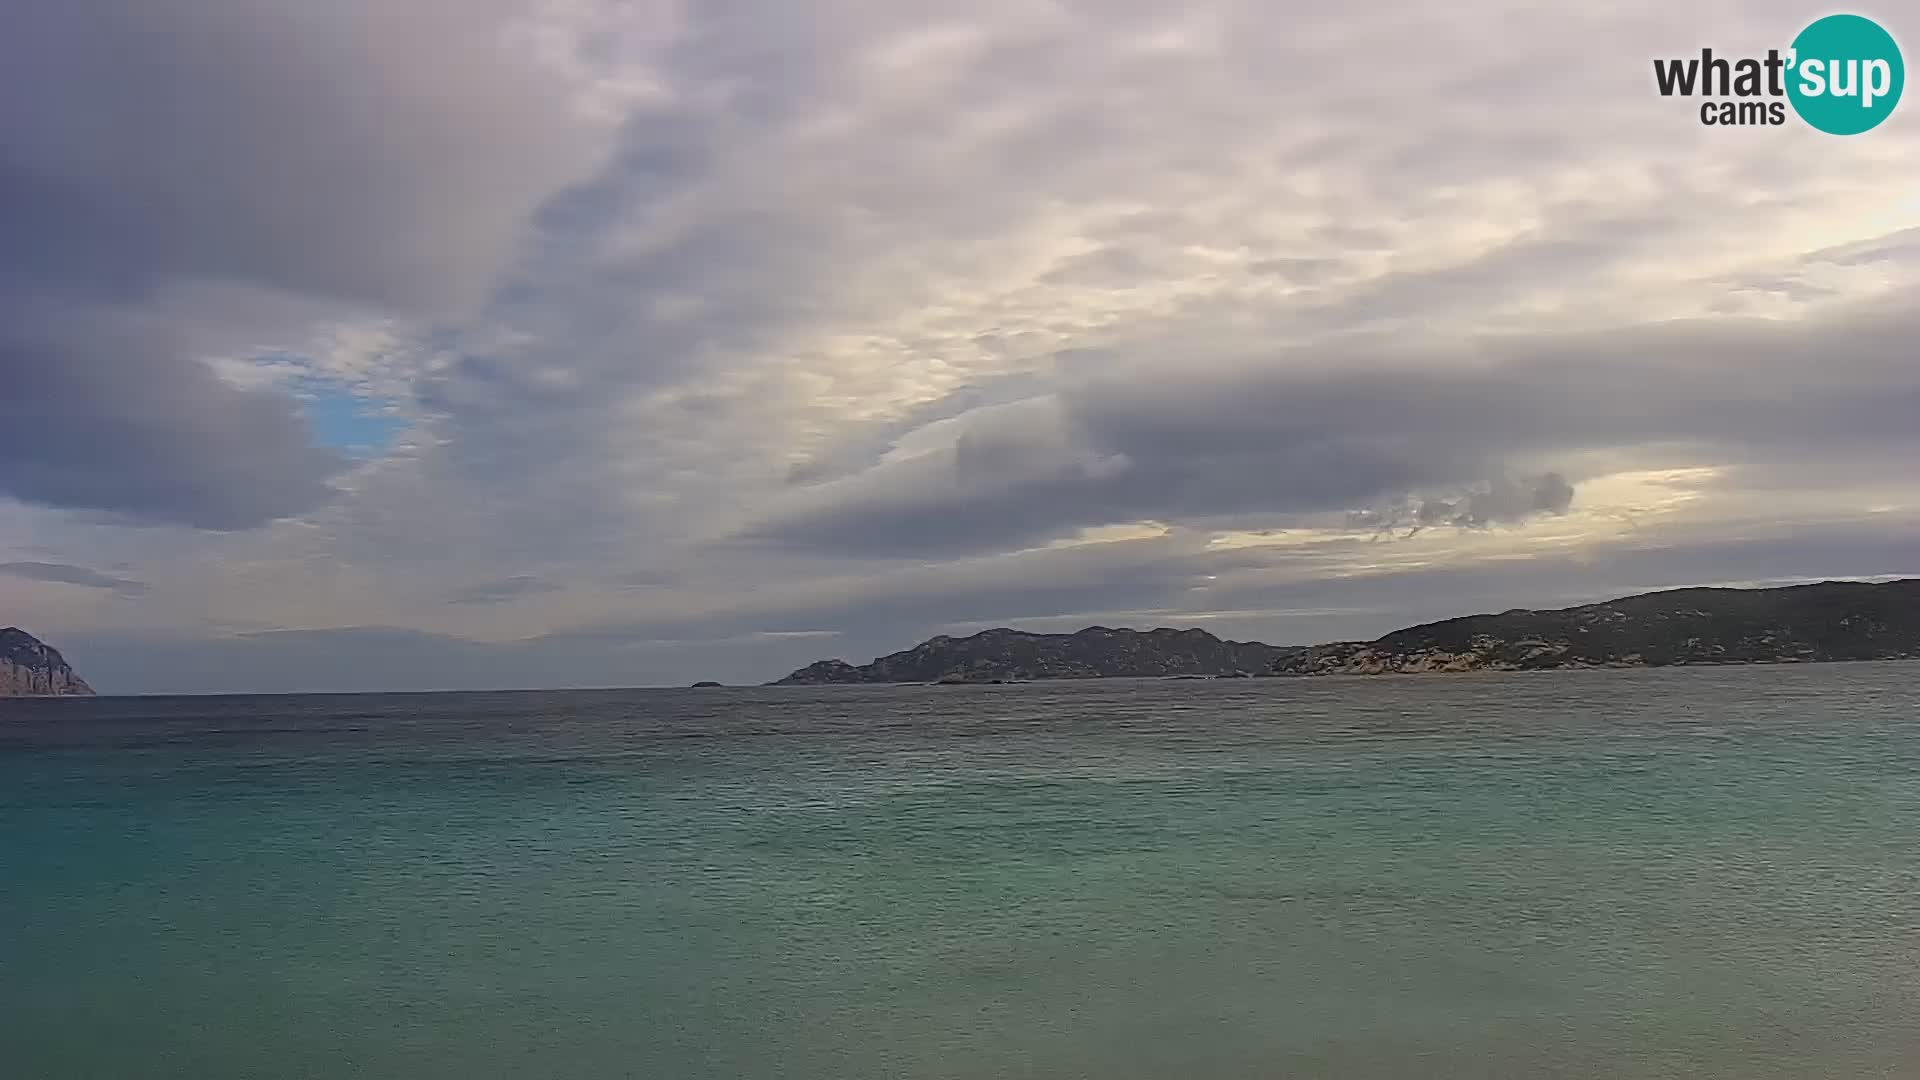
(1687, 873)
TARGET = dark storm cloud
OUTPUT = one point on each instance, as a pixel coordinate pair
(350, 152)
(65, 574)
(1328, 433)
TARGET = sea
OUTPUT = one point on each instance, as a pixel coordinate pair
(1708, 872)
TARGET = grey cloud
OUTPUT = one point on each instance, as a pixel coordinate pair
(1130, 575)
(1313, 434)
(1353, 237)
(1791, 283)
(346, 149)
(347, 152)
(853, 454)
(1902, 246)
(1297, 270)
(1575, 247)
(1502, 501)
(1782, 285)
(1105, 267)
(65, 574)
(109, 417)
(764, 248)
(748, 212)
(500, 592)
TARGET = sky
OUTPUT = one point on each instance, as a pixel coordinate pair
(476, 343)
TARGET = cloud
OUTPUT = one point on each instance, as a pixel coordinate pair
(500, 592)
(1502, 502)
(810, 242)
(102, 416)
(348, 150)
(276, 163)
(1298, 435)
(65, 574)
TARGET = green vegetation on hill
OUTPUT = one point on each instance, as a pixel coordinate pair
(1095, 652)
(1800, 623)
(1834, 620)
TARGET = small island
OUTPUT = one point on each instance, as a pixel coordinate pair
(1016, 656)
(705, 684)
(1003, 655)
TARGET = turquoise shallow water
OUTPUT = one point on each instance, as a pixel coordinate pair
(1692, 873)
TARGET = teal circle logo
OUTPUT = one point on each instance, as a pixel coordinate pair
(1845, 74)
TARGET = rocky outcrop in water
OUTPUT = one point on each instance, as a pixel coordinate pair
(1834, 620)
(1015, 655)
(31, 668)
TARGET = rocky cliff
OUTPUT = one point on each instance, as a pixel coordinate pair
(1828, 621)
(1096, 652)
(29, 667)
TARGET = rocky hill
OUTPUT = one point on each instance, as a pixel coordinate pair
(1096, 652)
(29, 667)
(1828, 621)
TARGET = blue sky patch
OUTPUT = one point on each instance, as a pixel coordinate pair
(341, 413)
(357, 426)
